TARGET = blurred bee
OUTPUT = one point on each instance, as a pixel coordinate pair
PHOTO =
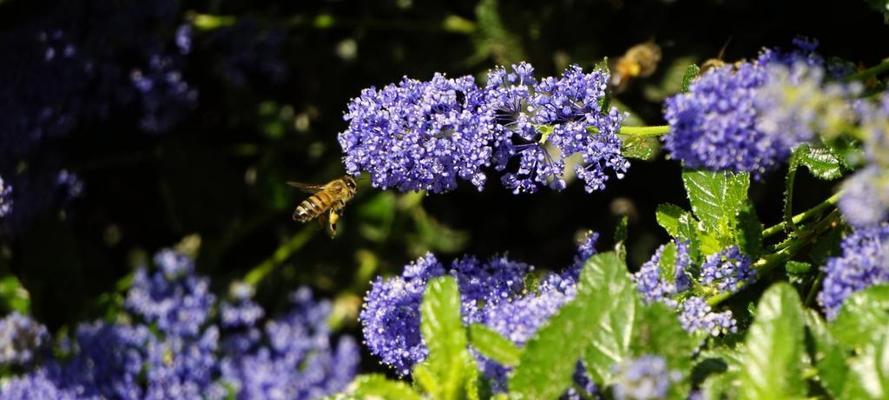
(717, 61)
(326, 202)
(640, 61)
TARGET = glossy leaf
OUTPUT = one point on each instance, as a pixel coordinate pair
(862, 314)
(772, 361)
(493, 345)
(716, 198)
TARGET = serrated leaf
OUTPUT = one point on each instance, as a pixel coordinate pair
(668, 217)
(667, 263)
(376, 386)
(442, 330)
(639, 147)
(691, 72)
(771, 367)
(610, 343)
(820, 161)
(861, 314)
(550, 357)
(493, 345)
(690, 233)
(716, 198)
(829, 357)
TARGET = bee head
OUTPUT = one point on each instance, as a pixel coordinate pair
(350, 182)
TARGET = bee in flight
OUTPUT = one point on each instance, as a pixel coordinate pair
(640, 61)
(326, 202)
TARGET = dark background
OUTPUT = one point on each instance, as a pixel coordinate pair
(220, 172)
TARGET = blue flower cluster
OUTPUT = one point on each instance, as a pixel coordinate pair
(174, 348)
(669, 280)
(494, 293)
(863, 263)
(865, 199)
(425, 135)
(77, 65)
(646, 377)
(718, 124)
(5, 198)
(21, 338)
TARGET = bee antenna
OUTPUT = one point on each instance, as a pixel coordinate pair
(724, 47)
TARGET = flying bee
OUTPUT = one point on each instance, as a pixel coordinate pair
(640, 61)
(326, 202)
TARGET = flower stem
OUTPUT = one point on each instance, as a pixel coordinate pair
(883, 66)
(766, 263)
(830, 202)
(657, 130)
(281, 255)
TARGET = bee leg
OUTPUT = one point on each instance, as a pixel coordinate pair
(331, 222)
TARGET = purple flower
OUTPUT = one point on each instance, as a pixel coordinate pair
(646, 377)
(657, 282)
(20, 339)
(717, 124)
(670, 283)
(5, 198)
(34, 386)
(544, 122)
(696, 315)
(864, 263)
(726, 271)
(172, 297)
(419, 135)
(865, 199)
(240, 311)
(107, 362)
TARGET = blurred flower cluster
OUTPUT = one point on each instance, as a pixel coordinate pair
(425, 135)
(176, 340)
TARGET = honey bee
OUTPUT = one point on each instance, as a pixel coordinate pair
(326, 202)
(640, 61)
(717, 61)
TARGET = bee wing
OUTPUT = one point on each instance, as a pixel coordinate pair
(306, 187)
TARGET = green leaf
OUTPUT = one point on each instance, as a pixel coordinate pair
(690, 232)
(610, 341)
(546, 366)
(772, 367)
(829, 357)
(657, 331)
(690, 74)
(668, 217)
(13, 295)
(748, 233)
(444, 335)
(620, 238)
(494, 346)
(821, 161)
(870, 369)
(376, 386)
(605, 101)
(716, 198)
(862, 313)
(639, 147)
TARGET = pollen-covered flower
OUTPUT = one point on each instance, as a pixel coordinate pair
(718, 124)
(864, 263)
(418, 135)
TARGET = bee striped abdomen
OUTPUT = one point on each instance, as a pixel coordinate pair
(313, 206)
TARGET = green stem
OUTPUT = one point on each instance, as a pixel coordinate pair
(818, 209)
(281, 254)
(814, 289)
(657, 130)
(883, 66)
(766, 263)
